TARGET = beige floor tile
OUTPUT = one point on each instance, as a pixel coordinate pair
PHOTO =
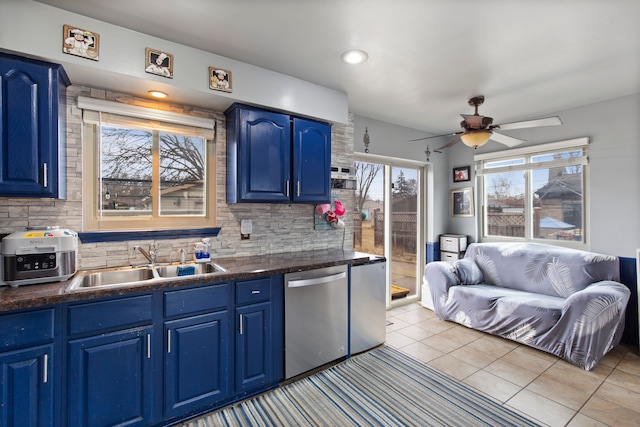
(462, 334)
(511, 372)
(396, 324)
(397, 340)
(577, 378)
(623, 379)
(492, 385)
(422, 352)
(493, 346)
(473, 356)
(442, 343)
(523, 356)
(620, 396)
(541, 408)
(415, 332)
(610, 413)
(583, 421)
(563, 394)
(612, 358)
(453, 367)
(414, 316)
(435, 325)
(630, 363)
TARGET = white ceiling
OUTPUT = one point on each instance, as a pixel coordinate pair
(529, 58)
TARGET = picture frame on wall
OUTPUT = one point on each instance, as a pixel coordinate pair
(79, 42)
(462, 202)
(220, 79)
(462, 174)
(158, 63)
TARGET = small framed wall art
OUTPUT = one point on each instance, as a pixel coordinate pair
(220, 79)
(158, 63)
(79, 42)
(462, 201)
(462, 174)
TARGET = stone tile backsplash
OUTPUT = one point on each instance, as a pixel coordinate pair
(276, 228)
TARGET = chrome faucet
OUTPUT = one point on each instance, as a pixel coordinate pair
(150, 256)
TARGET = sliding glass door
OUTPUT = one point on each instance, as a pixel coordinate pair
(389, 214)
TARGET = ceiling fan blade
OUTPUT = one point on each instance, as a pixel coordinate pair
(436, 136)
(449, 144)
(509, 141)
(548, 121)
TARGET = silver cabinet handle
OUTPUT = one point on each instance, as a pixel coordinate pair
(148, 346)
(316, 280)
(44, 175)
(287, 185)
(241, 324)
(168, 340)
(298, 188)
(255, 292)
(45, 368)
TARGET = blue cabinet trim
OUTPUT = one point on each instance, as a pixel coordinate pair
(122, 236)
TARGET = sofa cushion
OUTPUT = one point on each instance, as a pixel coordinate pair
(511, 313)
(468, 271)
(543, 269)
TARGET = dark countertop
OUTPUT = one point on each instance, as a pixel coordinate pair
(38, 295)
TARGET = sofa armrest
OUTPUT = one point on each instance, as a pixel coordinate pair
(592, 322)
(440, 276)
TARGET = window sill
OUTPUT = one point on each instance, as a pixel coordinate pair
(121, 236)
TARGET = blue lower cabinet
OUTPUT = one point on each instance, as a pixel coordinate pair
(110, 380)
(26, 387)
(196, 362)
(254, 349)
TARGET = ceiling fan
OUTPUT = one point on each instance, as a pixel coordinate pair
(477, 129)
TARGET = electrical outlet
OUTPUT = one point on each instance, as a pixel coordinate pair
(246, 228)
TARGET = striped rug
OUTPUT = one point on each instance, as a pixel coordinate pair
(382, 387)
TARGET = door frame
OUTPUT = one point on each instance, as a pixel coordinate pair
(424, 225)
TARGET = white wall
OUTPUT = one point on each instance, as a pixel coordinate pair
(35, 29)
(613, 128)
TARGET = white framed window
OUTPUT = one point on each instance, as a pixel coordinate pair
(535, 193)
(146, 168)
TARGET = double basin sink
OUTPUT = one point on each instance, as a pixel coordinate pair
(131, 276)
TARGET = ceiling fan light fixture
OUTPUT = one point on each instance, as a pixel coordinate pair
(475, 138)
(354, 56)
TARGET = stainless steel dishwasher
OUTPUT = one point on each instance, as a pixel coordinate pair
(316, 318)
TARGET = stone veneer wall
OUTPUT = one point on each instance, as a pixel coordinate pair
(276, 227)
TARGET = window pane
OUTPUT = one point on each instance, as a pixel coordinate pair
(125, 172)
(369, 219)
(182, 175)
(501, 163)
(557, 203)
(504, 204)
(404, 232)
(555, 156)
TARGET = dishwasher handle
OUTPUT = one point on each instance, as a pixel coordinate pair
(316, 280)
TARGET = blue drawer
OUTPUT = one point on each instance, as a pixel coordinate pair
(111, 315)
(251, 291)
(194, 300)
(26, 329)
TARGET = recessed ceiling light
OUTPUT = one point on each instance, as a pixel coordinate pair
(157, 94)
(354, 56)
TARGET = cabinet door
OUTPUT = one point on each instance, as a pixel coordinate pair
(254, 346)
(264, 164)
(29, 151)
(311, 161)
(196, 362)
(110, 379)
(26, 394)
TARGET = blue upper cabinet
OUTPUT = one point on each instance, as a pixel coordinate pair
(311, 161)
(273, 157)
(32, 128)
